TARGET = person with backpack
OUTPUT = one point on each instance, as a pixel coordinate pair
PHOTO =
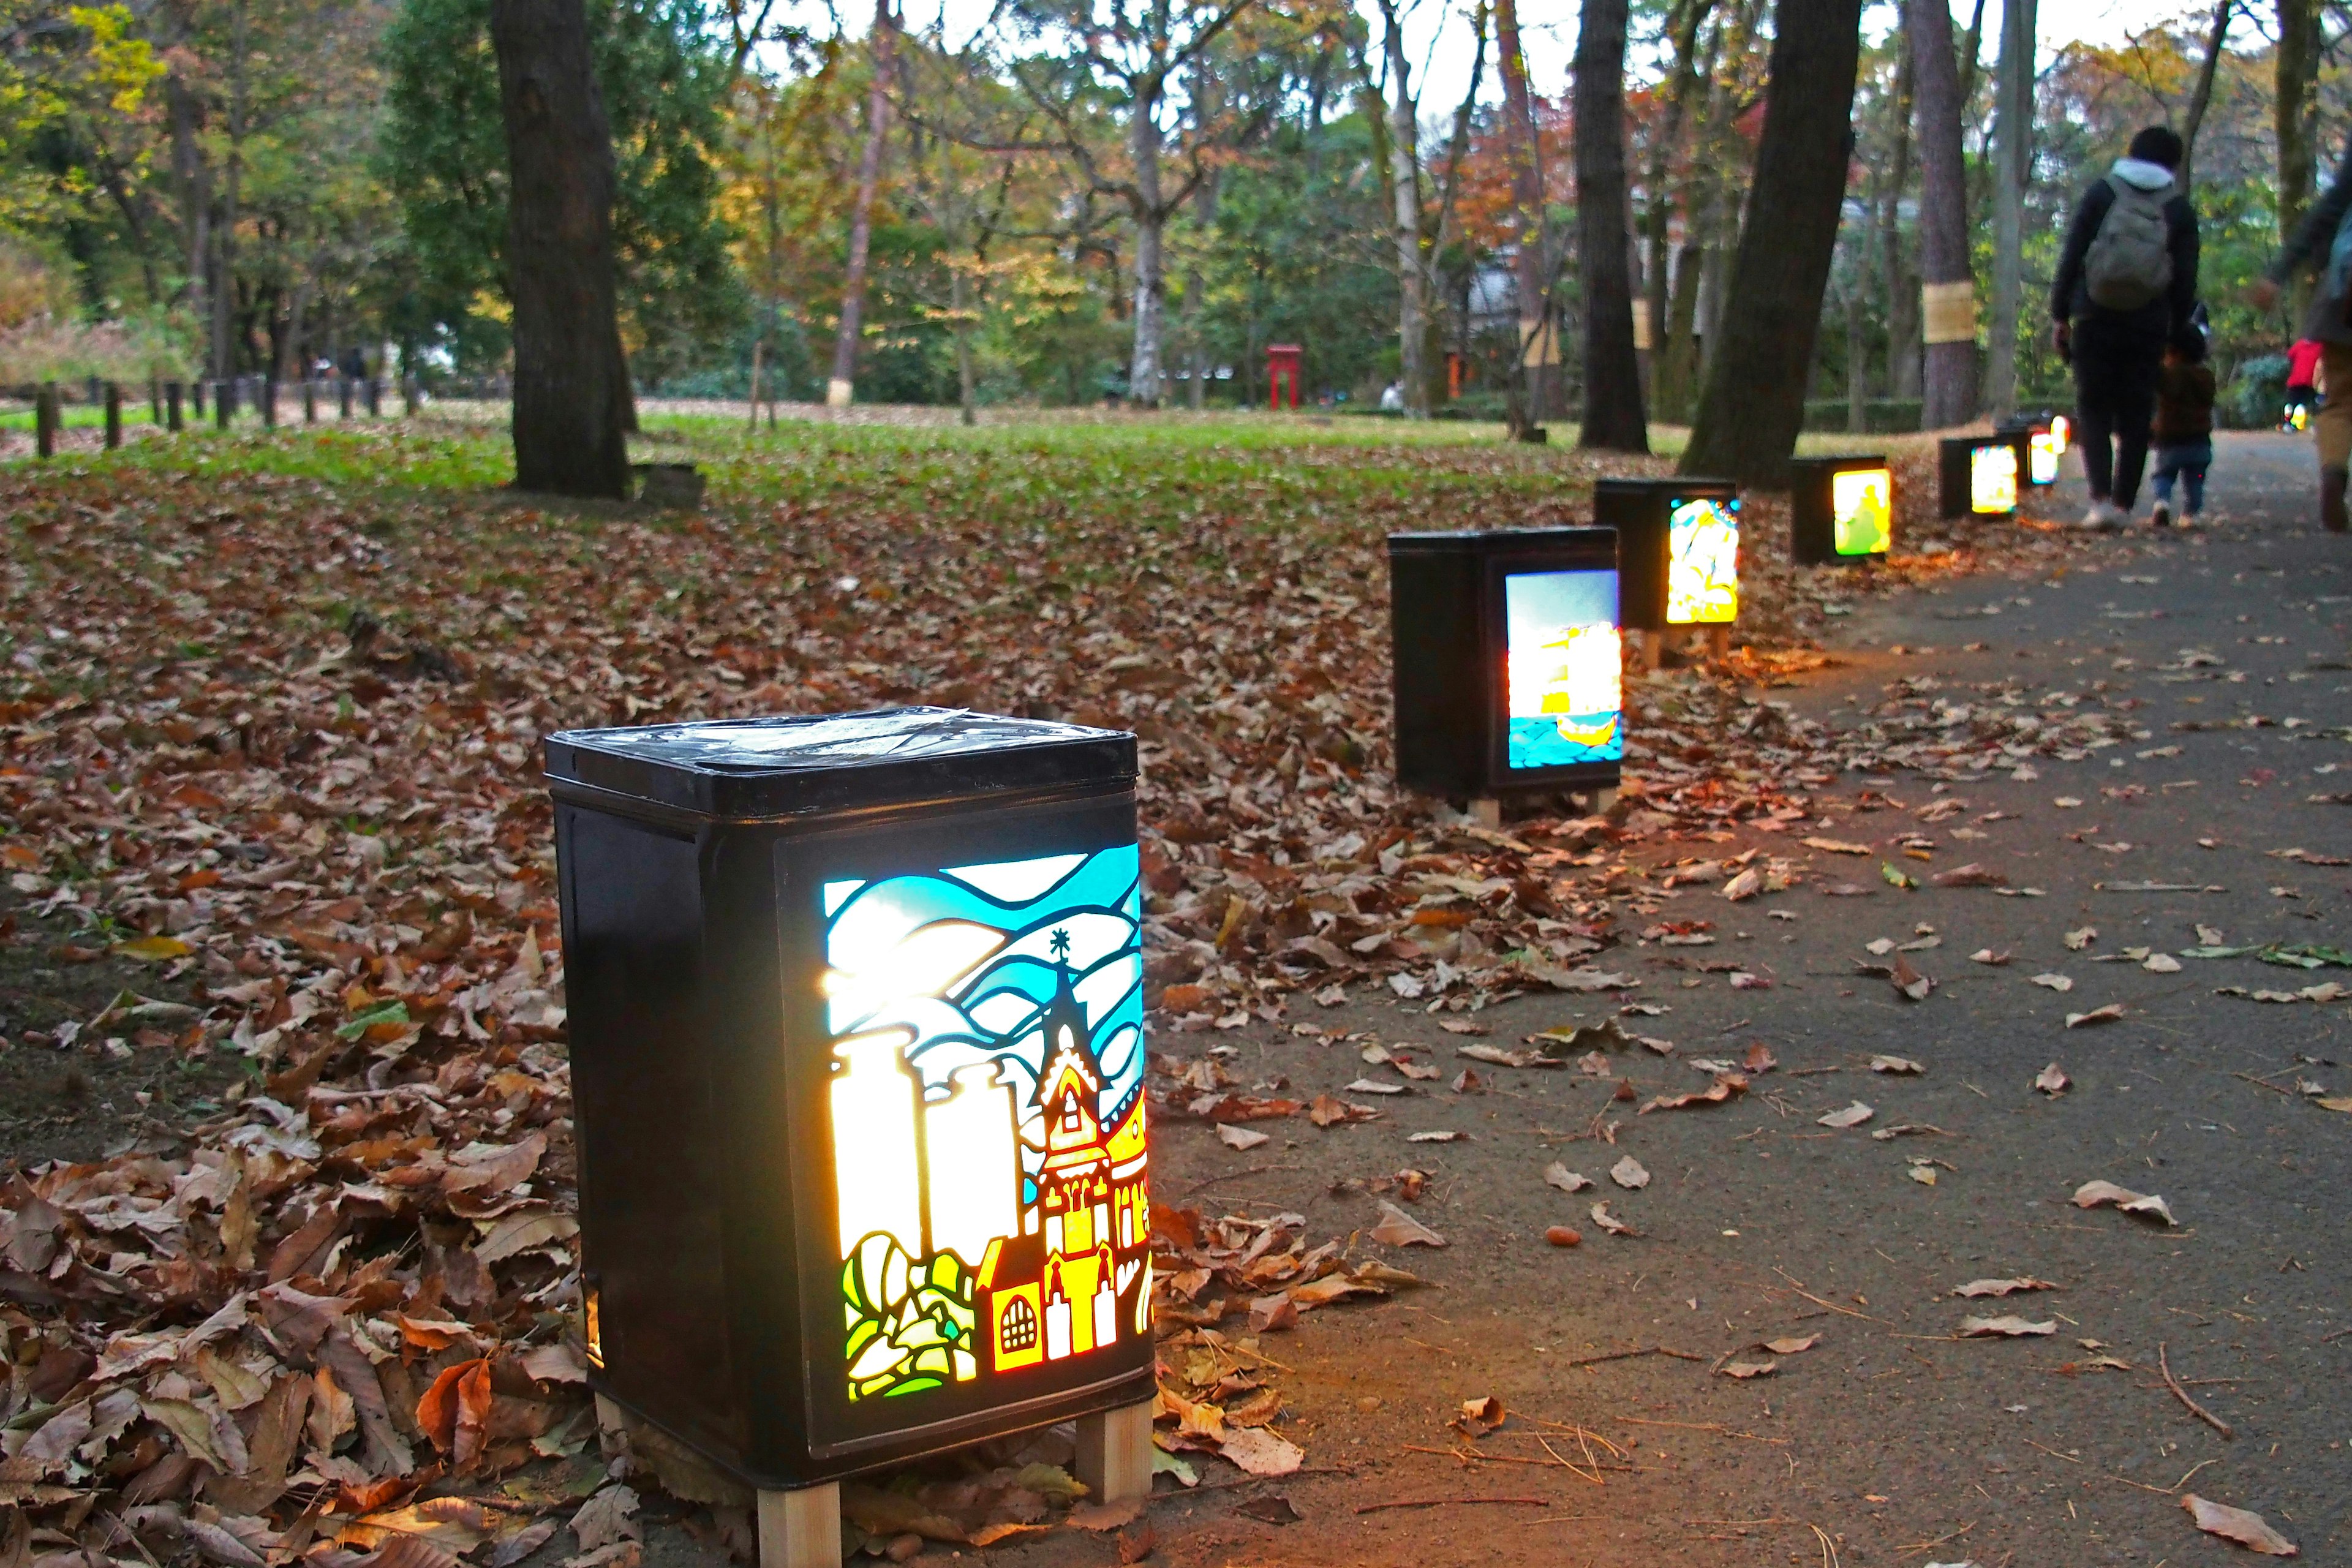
(2324, 243)
(2126, 286)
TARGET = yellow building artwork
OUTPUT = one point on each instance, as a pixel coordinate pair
(988, 1120)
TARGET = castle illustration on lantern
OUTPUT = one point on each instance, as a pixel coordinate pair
(988, 1120)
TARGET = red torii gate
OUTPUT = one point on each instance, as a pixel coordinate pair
(1281, 364)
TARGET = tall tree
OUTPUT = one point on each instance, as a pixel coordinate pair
(1684, 77)
(2200, 97)
(840, 391)
(1133, 57)
(571, 408)
(1531, 259)
(1754, 402)
(2012, 172)
(1950, 394)
(2295, 76)
(1614, 418)
(1404, 206)
(1899, 282)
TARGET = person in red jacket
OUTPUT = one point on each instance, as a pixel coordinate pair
(2302, 384)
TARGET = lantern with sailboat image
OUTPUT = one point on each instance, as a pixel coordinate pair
(857, 1054)
(1508, 662)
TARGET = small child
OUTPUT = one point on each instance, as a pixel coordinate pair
(2302, 384)
(2183, 430)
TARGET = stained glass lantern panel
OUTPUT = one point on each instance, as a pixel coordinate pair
(1678, 549)
(1841, 509)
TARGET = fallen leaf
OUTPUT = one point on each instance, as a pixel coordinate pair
(1261, 1452)
(606, 1518)
(1567, 1181)
(1913, 984)
(1969, 876)
(1502, 1057)
(2053, 1081)
(2059, 982)
(152, 949)
(1326, 1110)
(1744, 1370)
(1271, 1509)
(1610, 1222)
(2005, 1328)
(2092, 1194)
(1987, 956)
(2247, 1529)
(1745, 886)
(2106, 1015)
(2161, 963)
(2077, 940)
(1233, 1137)
(1792, 1346)
(1479, 1417)
(1367, 1086)
(2004, 1287)
(1836, 846)
(1629, 1174)
(1107, 1516)
(1894, 1065)
(1853, 1115)
(1398, 1228)
(1759, 1058)
(1725, 1085)
(1921, 1172)
(1894, 878)
(1438, 1135)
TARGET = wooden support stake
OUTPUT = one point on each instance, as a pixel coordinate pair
(803, 1529)
(1487, 812)
(1603, 801)
(1718, 642)
(1114, 1455)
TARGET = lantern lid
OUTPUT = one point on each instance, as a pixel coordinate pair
(1664, 484)
(1488, 539)
(797, 766)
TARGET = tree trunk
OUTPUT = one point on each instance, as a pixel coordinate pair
(1950, 396)
(1677, 366)
(1657, 271)
(1405, 177)
(1754, 404)
(2297, 78)
(840, 390)
(570, 380)
(959, 306)
(1531, 270)
(759, 344)
(1902, 292)
(1150, 263)
(2201, 98)
(2013, 171)
(195, 189)
(1857, 356)
(1196, 291)
(1614, 418)
(224, 278)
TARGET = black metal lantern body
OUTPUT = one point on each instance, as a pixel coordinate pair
(1841, 509)
(1979, 476)
(1677, 549)
(1508, 666)
(857, 1050)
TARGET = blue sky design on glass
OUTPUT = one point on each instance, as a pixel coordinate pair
(1562, 669)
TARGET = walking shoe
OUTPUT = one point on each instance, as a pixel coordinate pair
(2331, 500)
(2161, 515)
(2098, 519)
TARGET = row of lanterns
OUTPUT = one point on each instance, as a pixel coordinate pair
(856, 1010)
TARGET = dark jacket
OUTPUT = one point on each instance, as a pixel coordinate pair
(2184, 404)
(2325, 321)
(2070, 291)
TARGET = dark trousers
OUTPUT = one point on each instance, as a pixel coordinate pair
(2116, 370)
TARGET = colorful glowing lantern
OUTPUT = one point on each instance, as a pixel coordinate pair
(2042, 442)
(857, 1025)
(1508, 663)
(1840, 511)
(1979, 475)
(1678, 549)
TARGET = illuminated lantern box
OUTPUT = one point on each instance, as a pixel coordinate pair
(1508, 668)
(2041, 441)
(1841, 509)
(857, 1026)
(1677, 549)
(1978, 476)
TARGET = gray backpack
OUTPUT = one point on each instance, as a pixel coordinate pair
(2129, 266)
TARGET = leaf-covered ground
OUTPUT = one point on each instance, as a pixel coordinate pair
(272, 707)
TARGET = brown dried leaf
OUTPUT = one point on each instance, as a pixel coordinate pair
(1398, 1228)
(2092, 1195)
(2005, 1328)
(2247, 1529)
